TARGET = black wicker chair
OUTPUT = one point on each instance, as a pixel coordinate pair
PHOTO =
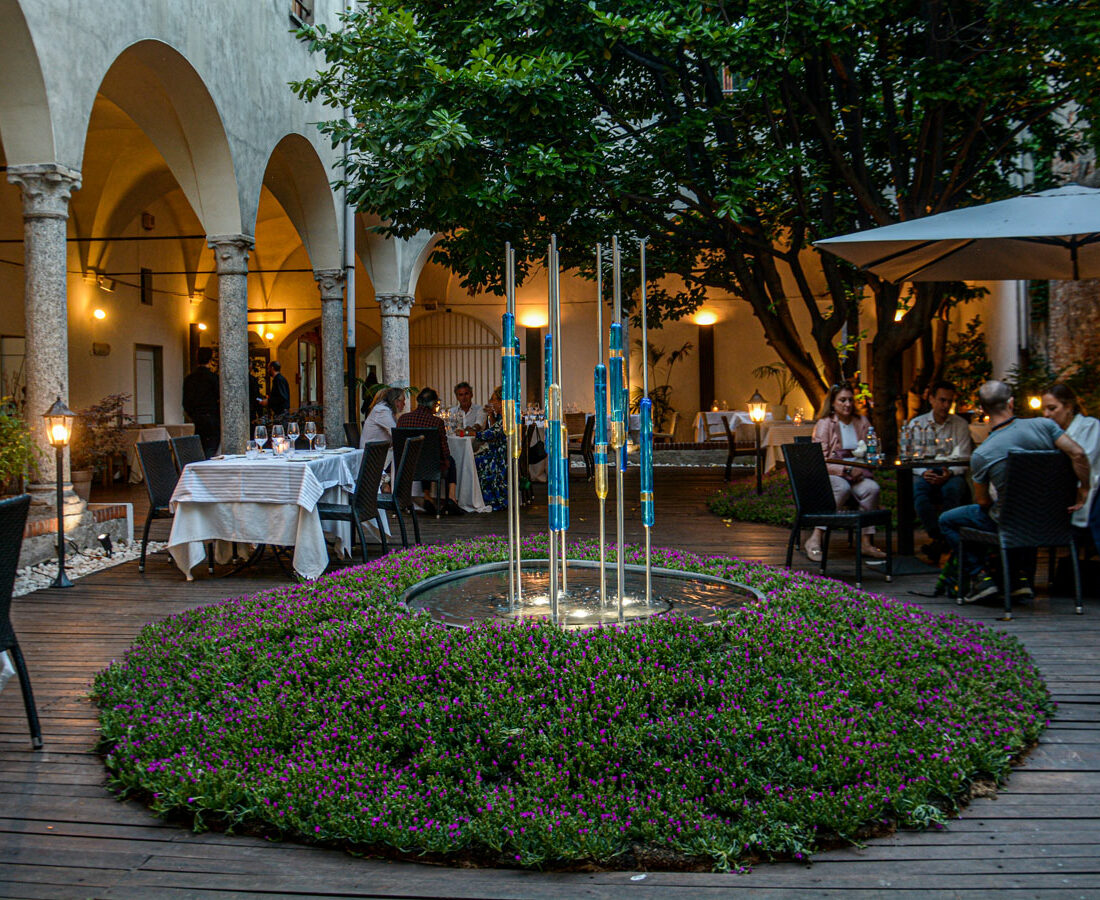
(1040, 486)
(160, 481)
(363, 503)
(188, 449)
(13, 519)
(352, 434)
(585, 448)
(429, 466)
(400, 496)
(815, 505)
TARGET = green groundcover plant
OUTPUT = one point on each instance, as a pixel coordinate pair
(328, 713)
(775, 504)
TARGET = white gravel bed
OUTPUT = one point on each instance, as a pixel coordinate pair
(77, 565)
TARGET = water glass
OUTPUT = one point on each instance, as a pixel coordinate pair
(261, 435)
(319, 442)
(949, 446)
(252, 450)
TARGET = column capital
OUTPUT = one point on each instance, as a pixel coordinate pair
(395, 304)
(46, 189)
(231, 252)
(331, 283)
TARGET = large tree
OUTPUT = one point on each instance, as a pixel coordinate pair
(731, 134)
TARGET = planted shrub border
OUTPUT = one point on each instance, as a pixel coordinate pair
(775, 505)
(326, 713)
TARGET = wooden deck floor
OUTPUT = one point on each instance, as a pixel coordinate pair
(62, 835)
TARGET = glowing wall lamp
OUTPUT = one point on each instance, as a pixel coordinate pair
(99, 314)
(705, 319)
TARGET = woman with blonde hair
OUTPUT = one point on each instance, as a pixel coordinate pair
(839, 431)
(382, 419)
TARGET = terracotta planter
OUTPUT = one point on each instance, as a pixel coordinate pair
(82, 483)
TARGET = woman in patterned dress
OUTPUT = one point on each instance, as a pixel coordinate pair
(491, 455)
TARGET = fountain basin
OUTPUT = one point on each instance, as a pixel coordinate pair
(480, 593)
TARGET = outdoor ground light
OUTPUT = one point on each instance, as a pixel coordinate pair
(59, 429)
(757, 408)
(105, 542)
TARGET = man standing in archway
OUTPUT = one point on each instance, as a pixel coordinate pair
(201, 401)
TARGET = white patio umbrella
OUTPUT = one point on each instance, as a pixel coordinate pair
(1047, 235)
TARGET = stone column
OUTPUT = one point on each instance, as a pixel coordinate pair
(231, 261)
(331, 284)
(395, 338)
(46, 191)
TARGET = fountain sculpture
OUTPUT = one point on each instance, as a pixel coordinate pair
(574, 594)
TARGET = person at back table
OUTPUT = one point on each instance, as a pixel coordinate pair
(1060, 403)
(202, 401)
(938, 489)
(839, 430)
(472, 416)
(277, 400)
(424, 417)
(380, 421)
(988, 466)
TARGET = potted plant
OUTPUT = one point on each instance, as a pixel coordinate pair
(661, 392)
(99, 434)
(17, 451)
(785, 381)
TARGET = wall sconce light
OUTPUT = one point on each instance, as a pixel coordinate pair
(91, 276)
(197, 297)
(268, 336)
(106, 284)
(705, 317)
(533, 318)
(202, 326)
(99, 314)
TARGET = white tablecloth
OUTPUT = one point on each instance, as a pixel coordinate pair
(773, 435)
(712, 421)
(262, 501)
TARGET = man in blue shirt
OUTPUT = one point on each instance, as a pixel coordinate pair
(988, 469)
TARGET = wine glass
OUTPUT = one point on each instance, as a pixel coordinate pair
(252, 450)
(292, 436)
(277, 431)
(261, 435)
(319, 441)
(311, 433)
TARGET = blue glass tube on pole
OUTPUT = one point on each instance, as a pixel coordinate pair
(599, 380)
(507, 349)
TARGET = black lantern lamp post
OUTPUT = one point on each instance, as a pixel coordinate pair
(59, 429)
(758, 407)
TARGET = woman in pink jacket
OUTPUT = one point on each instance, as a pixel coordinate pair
(838, 431)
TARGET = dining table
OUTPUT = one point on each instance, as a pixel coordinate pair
(906, 562)
(266, 500)
(467, 483)
(773, 435)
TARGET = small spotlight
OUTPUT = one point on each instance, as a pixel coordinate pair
(268, 336)
(105, 541)
(99, 314)
(202, 326)
(1034, 402)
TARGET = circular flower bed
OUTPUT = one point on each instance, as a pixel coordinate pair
(325, 712)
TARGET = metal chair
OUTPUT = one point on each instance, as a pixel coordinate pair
(814, 505)
(429, 465)
(584, 447)
(400, 496)
(188, 449)
(1040, 486)
(352, 434)
(13, 519)
(363, 503)
(737, 449)
(161, 477)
